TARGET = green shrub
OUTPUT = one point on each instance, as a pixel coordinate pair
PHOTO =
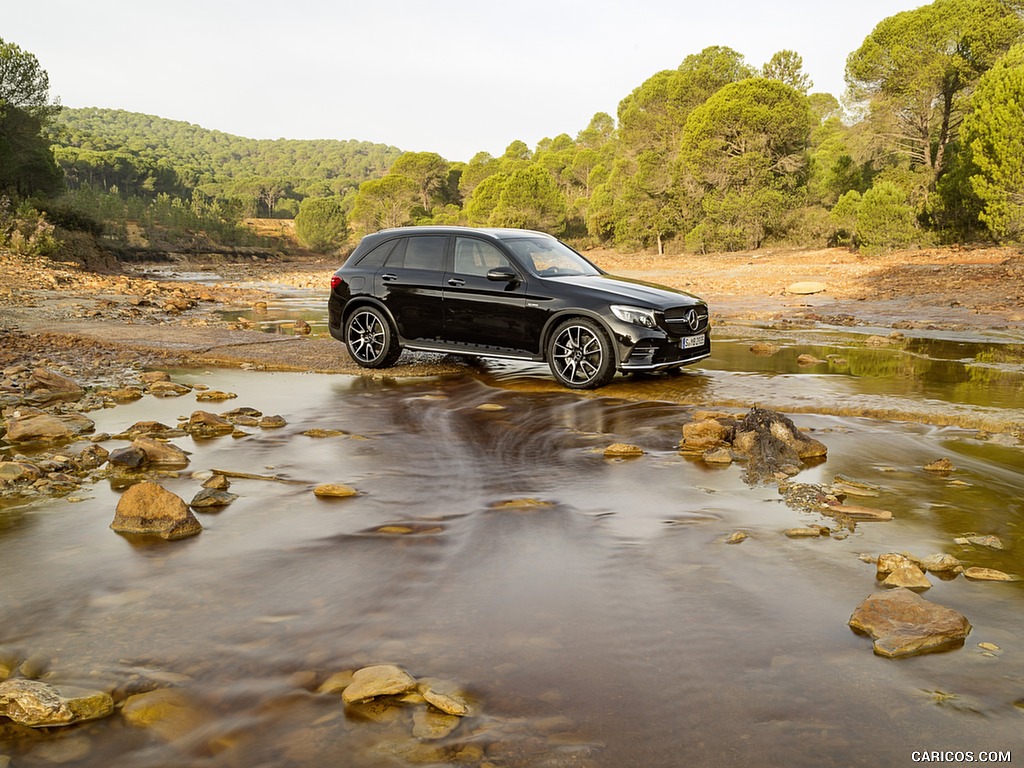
(885, 220)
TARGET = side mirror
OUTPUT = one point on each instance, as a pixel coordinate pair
(502, 275)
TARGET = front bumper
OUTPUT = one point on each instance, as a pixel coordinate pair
(652, 350)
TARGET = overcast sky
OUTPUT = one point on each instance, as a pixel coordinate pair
(450, 76)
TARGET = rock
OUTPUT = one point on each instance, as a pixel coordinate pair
(860, 514)
(806, 288)
(521, 503)
(380, 680)
(130, 457)
(206, 424)
(940, 465)
(988, 574)
(940, 563)
(151, 429)
(717, 456)
(445, 696)
(907, 575)
(430, 725)
(272, 422)
(736, 538)
(147, 508)
(622, 451)
(337, 682)
(335, 490)
(806, 360)
(803, 533)
(301, 326)
(846, 486)
(159, 452)
(150, 377)
(121, 394)
(212, 498)
(902, 623)
(889, 562)
(701, 436)
(217, 482)
(877, 341)
(764, 349)
(48, 386)
(213, 395)
(31, 425)
(14, 471)
(323, 433)
(168, 389)
(992, 542)
(92, 456)
(771, 441)
(40, 705)
(169, 712)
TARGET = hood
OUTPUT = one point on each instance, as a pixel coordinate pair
(627, 291)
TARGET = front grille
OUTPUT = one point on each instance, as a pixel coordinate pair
(686, 321)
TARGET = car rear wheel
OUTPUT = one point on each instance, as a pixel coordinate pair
(370, 339)
(580, 354)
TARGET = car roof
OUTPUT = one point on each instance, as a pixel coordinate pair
(498, 233)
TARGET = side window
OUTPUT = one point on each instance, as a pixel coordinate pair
(420, 253)
(475, 257)
(378, 255)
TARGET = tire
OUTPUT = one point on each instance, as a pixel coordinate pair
(580, 354)
(370, 339)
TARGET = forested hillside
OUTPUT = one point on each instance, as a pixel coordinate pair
(142, 154)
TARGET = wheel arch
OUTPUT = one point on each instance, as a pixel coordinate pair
(557, 319)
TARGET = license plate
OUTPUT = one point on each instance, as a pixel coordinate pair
(689, 342)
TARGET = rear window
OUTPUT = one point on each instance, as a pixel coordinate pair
(420, 253)
(377, 256)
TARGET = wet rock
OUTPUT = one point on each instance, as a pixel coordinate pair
(717, 456)
(445, 696)
(490, 407)
(272, 422)
(160, 452)
(941, 563)
(907, 575)
(701, 436)
(147, 508)
(847, 487)
(122, 394)
(40, 705)
(521, 503)
(889, 562)
(15, 471)
(151, 377)
(150, 429)
(129, 457)
(622, 451)
(379, 680)
(803, 533)
(335, 490)
(35, 666)
(31, 425)
(206, 424)
(215, 395)
(337, 682)
(92, 457)
(806, 360)
(771, 441)
(217, 482)
(212, 498)
(940, 465)
(764, 349)
(990, 541)
(988, 574)
(323, 433)
(430, 725)
(168, 389)
(46, 386)
(170, 713)
(806, 288)
(860, 514)
(902, 623)
(737, 537)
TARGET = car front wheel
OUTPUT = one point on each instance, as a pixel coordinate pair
(370, 339)
(580, 354)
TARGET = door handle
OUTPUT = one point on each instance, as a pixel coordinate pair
(455, 282)
(387, 277)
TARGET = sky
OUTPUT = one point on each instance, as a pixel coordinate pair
(456, 77)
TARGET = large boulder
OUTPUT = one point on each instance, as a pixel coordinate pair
(160, 452)
(773, 445)
(379, 680)
(904, 624)
(147, 508)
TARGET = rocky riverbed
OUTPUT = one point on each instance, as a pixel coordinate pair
(210, 550)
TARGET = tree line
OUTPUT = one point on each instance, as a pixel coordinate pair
(714, 155)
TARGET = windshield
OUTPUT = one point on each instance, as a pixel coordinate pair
(549, 258)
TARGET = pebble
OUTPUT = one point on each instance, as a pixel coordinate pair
(335, 490)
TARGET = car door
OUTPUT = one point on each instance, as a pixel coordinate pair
(478, 310)
(411, 286)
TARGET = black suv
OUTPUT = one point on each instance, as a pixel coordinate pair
(508, 293)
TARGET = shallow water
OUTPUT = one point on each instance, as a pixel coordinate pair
(611, 627)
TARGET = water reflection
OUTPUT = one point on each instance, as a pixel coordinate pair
(603, 623)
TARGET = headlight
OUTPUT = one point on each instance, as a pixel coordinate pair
(634, 315)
